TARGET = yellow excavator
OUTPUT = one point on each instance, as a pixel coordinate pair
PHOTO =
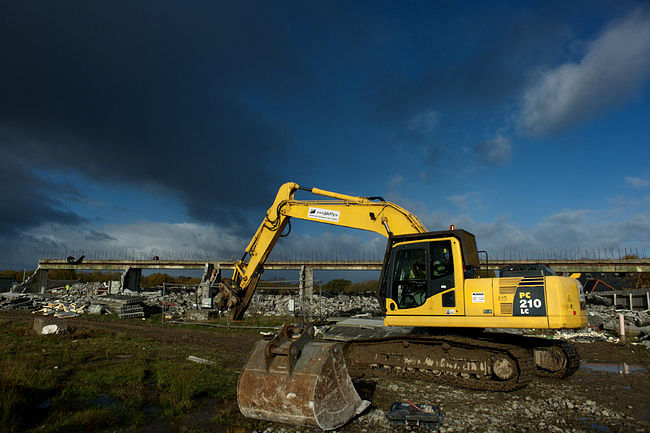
(435, 311)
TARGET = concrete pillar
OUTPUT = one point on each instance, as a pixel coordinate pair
(131, 279)
(42, 281)
(307, 281)
(208, 287)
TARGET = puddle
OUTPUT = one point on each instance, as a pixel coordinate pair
(153, 410)
(45, 405)
(606, 367)
(106, 401)
(595, 425)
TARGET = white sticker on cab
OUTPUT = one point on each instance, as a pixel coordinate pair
(478, 297)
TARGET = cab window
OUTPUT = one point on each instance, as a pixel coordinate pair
(410, 277)
(442, 263)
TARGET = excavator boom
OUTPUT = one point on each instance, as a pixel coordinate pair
(364, 213)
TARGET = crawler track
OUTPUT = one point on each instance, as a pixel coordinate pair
(455, 360)
(567, 353)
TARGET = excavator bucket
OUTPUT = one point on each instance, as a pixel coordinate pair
(295, 380)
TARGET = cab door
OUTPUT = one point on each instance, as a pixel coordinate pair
(425, 278)
(446, 283)
(408, 279)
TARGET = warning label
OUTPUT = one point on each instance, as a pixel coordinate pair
(478, 297)
(323, 214)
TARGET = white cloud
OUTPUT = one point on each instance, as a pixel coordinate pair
(141, 239)
(418, 128)
(638, 182)
(498, 150)
(564, 230)
(396, 181)
(563, 233)
(614, 66)
(465, 201)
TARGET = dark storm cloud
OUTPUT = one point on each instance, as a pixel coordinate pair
(147, 94)
(28, 200)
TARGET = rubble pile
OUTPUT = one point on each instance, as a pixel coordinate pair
(15, 301)
(125, 306)
(78, 299)
(62, 309)
(181, 304)
(175, 303)
(319, 306)
(606, 317)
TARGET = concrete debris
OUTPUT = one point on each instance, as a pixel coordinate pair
(183, 303)
(50, 329)
(176, 303)
(320, 306)
(96, 309)
(47, 326)
(585, 335)
(62, 309)
(200, 360)
(125, 306)
(376, 417)
(200, 315)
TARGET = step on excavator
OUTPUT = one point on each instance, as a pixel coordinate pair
(435, 310)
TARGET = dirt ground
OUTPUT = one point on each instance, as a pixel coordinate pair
(597, 398)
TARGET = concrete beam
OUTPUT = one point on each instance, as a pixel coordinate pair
(635, 265)
(42, 281)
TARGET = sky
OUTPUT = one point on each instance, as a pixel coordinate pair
(131, 129)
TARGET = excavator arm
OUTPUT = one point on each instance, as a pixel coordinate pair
(364, 213)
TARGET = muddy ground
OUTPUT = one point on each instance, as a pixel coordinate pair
(597, 398)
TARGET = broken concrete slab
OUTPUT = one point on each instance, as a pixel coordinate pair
(96, 309)
(44, 326)
(200, 315)
(200, 360)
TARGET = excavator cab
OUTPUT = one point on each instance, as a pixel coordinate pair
(423, 273)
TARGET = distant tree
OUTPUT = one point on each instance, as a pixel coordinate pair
(157, 279)
(337, 285)
(98, 276)
(11, 274)
(643, 282)
(17, 275)
(62, 274)
(364, 286)
(187, 280)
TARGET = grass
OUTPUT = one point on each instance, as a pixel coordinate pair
(254, 321)
(92, 380)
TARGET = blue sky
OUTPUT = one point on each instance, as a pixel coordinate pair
(162, 127)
